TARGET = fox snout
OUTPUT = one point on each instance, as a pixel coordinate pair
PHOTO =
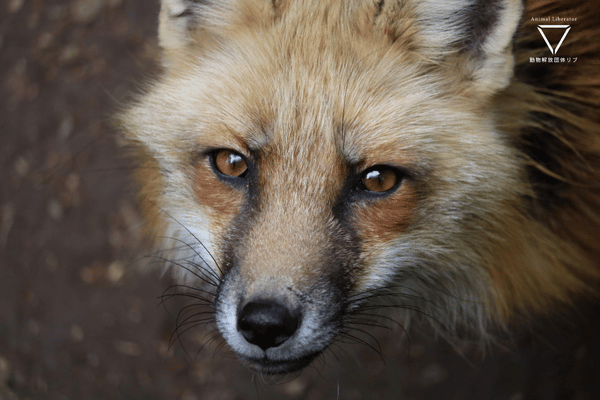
(276, 328)
(281, 302)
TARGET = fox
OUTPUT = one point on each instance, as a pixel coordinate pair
(306, 165)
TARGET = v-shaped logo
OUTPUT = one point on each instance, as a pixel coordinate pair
(567, 28)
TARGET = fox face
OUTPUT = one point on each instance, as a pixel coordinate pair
(302, 159)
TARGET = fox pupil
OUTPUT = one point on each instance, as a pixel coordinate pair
(379, 180)
(230, 163)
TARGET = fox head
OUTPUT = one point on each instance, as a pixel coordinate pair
(302, 158)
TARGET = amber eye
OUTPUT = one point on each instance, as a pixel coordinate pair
(380, 179)
(230, 163)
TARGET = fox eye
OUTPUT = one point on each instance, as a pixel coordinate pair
(380, 179)
(230, 163)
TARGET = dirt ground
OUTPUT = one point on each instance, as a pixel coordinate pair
(80, 316)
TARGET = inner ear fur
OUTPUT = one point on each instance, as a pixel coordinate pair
(176, 23)
(184, 24)
(474, 37)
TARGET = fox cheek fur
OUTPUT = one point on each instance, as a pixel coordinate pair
(304, 158)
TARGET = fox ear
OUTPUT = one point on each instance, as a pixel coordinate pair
(186, 23)
(176, 22)
(480, 32)
(200, 23)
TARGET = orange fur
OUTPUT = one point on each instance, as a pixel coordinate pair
(219, 200)
(388, 218)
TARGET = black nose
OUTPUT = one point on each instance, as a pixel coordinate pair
(267, 323)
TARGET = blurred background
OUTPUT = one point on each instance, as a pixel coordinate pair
(80, 315)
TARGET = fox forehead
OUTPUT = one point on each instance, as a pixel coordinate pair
(358, 94)
(249, 102)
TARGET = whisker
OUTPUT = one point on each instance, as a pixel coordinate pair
(185, 244)
(188, 295)
(193, 235)
(365, 322)
(410, 308)
(166, 260)
(197, 289)
(356, 339)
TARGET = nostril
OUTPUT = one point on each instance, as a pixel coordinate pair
(266, 323)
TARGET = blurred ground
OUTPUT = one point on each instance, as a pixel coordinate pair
(79, 314)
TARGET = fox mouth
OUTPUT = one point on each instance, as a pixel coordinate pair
(272, 331)
(277, 367)
(273, 339)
